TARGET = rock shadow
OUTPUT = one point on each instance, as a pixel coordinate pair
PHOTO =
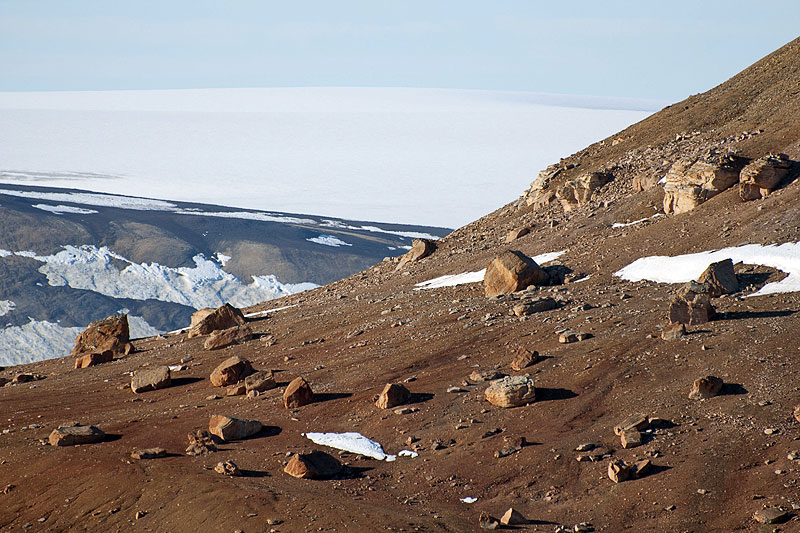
(545, 394)
(179, 382)
(419, 397)
(654, 470)
(738, 315)
(320, 397)
(254, 473)
(351, 472)
(111, 437)
(557, 273)
(732, 389)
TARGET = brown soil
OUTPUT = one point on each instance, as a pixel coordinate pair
(350, 338)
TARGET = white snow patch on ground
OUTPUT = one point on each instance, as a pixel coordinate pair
(375, 229)
(626, 224)
(61, 209)
(328, 240)
(451, 280)
(351, 442)
(6, 306)
(267, 311)
(469, 499)
(35, 341)
(683, 268)
(357, 153)
(204, 285)
(5, 253)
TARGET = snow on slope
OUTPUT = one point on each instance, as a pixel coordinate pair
(420, 156)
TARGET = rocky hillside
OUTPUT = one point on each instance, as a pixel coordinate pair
(615, 383)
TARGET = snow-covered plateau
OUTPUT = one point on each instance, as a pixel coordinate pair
(420, 156)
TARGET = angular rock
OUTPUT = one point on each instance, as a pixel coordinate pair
(260, 381)
(515, 234)
(25, 377)
(478, 376)
(618, 471)
(689, 183)
(110, 333)
(229, 428)
(635, 422)
(223, 338)
(535, 306)
(692, 305)
(223, 317)
(148, 379)
(486, 521)
(770, 515)
(578, 192)
(393, 394)
(148, 453)
(420, 248)
(762, 176)
(706, 387)
(630, 438)
(524, 358)
(796, 413)
(511, 391)
(512, 517)
(199, 315)
(227, 468)
(297, 394)
(200, 443)
(720, 278)
(673, 332)
(640, 468)
(94, 359)
(237, 389)
(512, 271)
(540, 193)
(230, 371)
(74, 435)
(314, 465)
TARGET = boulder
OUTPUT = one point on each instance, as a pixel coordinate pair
(578, 192)
(223, 317)
(534, 306)
(762, 176)
(199, 315)
(393, 394)
(148, 453)
(692, 305)
(297, 394)
(148, 379)
(636, 422)
(511, 391)
(515, 234)
(260, 381)
(618, 471)
(420, 248)
(630, 438)
(487, 521)
(512, 517)
(227, 468)
(222, 338)
(110, 333)
(314, 465)
(229, 428)
(74, 435)
(512, 271)
(689, 183)
(720, 278)
(673, 332)
(230, 371)
(770, 515)
(94, 358)
(524, 358)
(200, 443)
(541, 193)
(705, 387)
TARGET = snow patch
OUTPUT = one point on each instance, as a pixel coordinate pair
(683, 268)
(6, 306)
(61, 209)
(222, 258)
(451, 280)
(626, 224)
(351, 442)
(35, 341)
(469, 499)
(328, 240)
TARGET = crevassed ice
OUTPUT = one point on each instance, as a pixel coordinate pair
(61, 209)
(328, 240)
(35, 341)
(6, 306)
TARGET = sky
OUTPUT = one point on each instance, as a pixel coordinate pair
(658, 50)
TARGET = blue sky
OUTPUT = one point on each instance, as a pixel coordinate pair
(646, 49)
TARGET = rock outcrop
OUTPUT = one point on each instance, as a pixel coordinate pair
(689, 183)
(762, 176)
(512, 271)
(578, 192)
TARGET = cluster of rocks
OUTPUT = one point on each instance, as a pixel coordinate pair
(578, 192)
(691, 305)
(22, 377)
(101, 341)
(511, 517)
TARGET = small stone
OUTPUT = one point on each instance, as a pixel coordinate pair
(74, 435)
(238, 389)
(478, 376)
(585, 447)
(673, 332)
(200, 443)
(228, 337)
(524, 358)
(260, 381)
(227, 468)
(148, 453)
(229, 428)
(706, 387)
(150, 379)
(297, 394)
(702, 491)
(796, 413)
(455, 390)
(568, 337)
(512, 517)
(393, 394)
(618, 471)
(94, 359)
(770, 515)
(140, 515)
(770, 431)
(515, 234)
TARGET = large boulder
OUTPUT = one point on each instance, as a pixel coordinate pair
(229, 428)
(511, 391)
(199, 315)
(720, 278)
(578, 192)
(73, 435)
(230, 371)
(691, 305)
(420, 248)
(297, 394)
(512, 271)
(223, 338)
(148, 379)
(689, 183)
(110, 333)
(314, 465)
(223, 317)
(393, 394)
(762, 176)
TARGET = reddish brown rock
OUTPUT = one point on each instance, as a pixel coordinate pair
(111, 333)
(148, 453)
(393, 395)
(534, 306)
(237, 389)
(630, 438)
(74, 435)
(618, 471)
(770, 515)
(720, 278)
(673, 332)
(706, 387)
(692, 305)
(420, 248)
(227, 468)
(512, 517)
(797, 413)
(223, 317)
(200, 443)
(689, 183)
(636, 422)
(228, 337)
(297, 394)
(314, 465)
(260, 381)
(578, 192)
(199, 315)
(524, 358)
(762, 176)
(512, 271)
(511, 391)
(94, 358)
(515, 234)
(230, 371)
(149, 379)
(229, 428)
